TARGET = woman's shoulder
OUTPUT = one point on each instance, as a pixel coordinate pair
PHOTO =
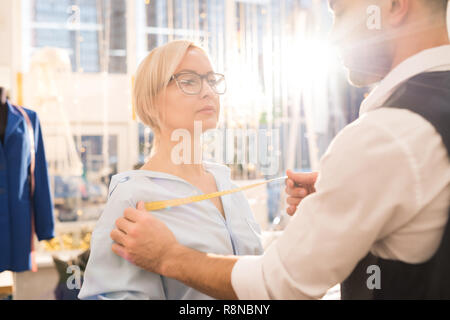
(121, 182)
(146, 185)
(126, 189)
(129, 183)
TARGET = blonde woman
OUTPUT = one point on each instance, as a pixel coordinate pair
(175, 87)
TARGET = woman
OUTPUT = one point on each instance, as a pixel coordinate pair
(171, 95)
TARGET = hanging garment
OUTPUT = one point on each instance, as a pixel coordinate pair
(16, 207)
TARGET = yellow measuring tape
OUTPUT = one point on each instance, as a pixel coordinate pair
(158, 205)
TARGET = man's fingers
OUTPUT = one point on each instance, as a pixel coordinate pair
(118, 236)
(123, 224)
(291, 210)
(141, 206)
(120, 251)
(289, 183)
(293, 201)
(288, 211)
(302, 178)
(132, 214)
(308, 178)
(297, 192)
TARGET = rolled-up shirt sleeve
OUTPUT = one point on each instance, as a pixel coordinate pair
(247, 279)
(366, 177)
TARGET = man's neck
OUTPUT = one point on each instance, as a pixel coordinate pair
(423, 39)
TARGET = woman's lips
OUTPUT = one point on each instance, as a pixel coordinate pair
(208, 110)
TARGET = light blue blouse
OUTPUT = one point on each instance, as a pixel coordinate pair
(197, 225)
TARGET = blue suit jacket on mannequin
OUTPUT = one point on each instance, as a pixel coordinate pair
(15, 204)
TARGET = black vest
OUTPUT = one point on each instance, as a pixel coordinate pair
(427, 94)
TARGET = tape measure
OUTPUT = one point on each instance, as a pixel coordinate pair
(166, 204)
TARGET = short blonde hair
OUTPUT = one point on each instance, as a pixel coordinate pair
(153, 76)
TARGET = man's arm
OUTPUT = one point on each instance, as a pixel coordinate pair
(205, 272)
(159, 252)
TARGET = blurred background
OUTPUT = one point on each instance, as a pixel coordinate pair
(72, 61)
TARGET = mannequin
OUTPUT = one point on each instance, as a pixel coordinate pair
(3, 114)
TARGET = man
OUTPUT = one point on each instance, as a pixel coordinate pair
(382, 194)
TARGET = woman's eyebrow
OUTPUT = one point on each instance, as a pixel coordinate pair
(193, 71)
(186, 70)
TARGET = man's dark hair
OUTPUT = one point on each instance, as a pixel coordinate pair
(437, 8)
(438, 4)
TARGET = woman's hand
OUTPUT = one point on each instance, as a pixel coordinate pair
(299, 186)
(143, 239)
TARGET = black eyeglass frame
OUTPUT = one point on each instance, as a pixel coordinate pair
(205, 76)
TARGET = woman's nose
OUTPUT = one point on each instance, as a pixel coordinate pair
(207, 90)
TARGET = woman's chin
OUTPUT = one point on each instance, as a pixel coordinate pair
(208, 124)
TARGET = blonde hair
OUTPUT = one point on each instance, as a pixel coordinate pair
(153, 76)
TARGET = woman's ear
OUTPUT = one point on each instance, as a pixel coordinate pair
(398, 11)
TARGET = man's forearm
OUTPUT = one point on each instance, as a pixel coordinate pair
(205, 272)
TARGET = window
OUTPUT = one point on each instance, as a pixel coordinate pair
(82, 197)
(92, 31)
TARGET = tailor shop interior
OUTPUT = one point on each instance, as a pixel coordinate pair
(67, 71)
(70, 65)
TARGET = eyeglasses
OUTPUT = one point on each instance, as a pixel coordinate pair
(191, 83)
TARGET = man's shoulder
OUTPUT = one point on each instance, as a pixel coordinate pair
(392, 135)
(399, 124)
(387, 131)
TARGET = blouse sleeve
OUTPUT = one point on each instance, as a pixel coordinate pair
(108, 276)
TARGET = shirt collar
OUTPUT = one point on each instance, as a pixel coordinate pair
(221, 173)
(435, 59)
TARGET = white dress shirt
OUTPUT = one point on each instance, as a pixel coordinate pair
(197, 225)
(383, 187)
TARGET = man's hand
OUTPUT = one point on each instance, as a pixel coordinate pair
(299, 186)
(142, 239)
(148, 243)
